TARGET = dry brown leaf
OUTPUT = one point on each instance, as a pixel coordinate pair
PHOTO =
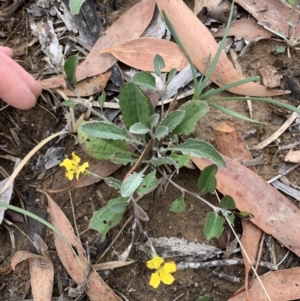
(245, 28)
(200, 45)
(281, 286)
(273, 213)
(41, 274)
(273, 12)
(140, 53)
(86, 87)
(231, 143)
(129, 26)
(76, 266)
(199, 4)
(292, 156)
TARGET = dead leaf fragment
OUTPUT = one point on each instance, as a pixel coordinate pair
(76, 266)
(281, 286)
(41, 274)
(273, 213)
(140, 53)
(292, 156)
(200, 45)
(129, 26)
(270, 76)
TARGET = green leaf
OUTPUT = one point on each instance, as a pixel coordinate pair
(150, 182)
(171, 74)
(164, 160)
(135, 105)
(100, 149)
(179, 205)
(153, 120)
(200, 148)
(130, 185)
(194, 110)
(205, 297)
(207, 181)
(144, 79)
(70, 68)
(106, 130)
(109, 216)
(182, 160)
(70, 103)
(139, 128)
(214, 225)
(161, 132)
(112, 182)
(123, 158)
(173, 119)
(231, 218)
(101, 100)
(227, 202)
(159, 64)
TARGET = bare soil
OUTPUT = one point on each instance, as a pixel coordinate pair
(132, 281)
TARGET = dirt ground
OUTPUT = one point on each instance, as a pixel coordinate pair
(132, 281)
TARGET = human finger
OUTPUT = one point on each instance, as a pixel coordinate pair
(13, 89)
(34, 86)
(6, 50)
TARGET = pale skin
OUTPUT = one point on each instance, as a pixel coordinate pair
(17, 87)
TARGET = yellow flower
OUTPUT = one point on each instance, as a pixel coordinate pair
(162, 273)
(72, 167)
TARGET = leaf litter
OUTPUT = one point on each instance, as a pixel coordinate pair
(258, 218)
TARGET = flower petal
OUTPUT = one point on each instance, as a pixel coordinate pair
(154, 280)
(68, 164)
(166, 278)
(170, 267)
(155, 262)
(70, 175)
(75, 158)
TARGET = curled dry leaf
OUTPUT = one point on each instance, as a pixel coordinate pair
(41, 274)
(200, 45)
(273, 213)
(77, 267)
(129, 26)
(140, 53)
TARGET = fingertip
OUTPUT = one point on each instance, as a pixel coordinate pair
(7, 51)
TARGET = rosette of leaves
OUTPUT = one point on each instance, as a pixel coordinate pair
(105, 140)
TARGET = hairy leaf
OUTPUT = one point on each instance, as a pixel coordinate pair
(200, 148)
(144, 79)
(173, 119)
(70, 68)
(161, 132)
(112, 182)
(159, 64)
(123, 158)
(214, 225)
(179, 205)
(207, 181)
(164, 160)
(130, 185)
(182, 160)
(153, 120)
(135, 105)
(109, 216)
(194, 110)
(106, 130)
(150, 182)
(139, 129)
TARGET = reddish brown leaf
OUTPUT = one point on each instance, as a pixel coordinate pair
(245, 28)
(292, 156)
(140, 53)
(281, 286)
(129, 26)
(200, 45)
(41, 274)
(84, 88)
(273, 213)
(272, 12)
(76, 266)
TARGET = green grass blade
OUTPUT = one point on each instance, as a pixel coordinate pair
(216, 58)
(232, 113)
(268, 100)
(212, 92)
